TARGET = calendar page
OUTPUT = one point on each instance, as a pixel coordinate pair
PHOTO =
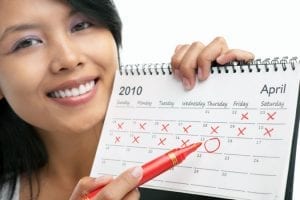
(244, 118)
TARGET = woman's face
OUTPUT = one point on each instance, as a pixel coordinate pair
(56, 66)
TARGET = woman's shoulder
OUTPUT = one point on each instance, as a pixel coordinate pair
(4, 191)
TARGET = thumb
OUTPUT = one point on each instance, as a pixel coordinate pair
(87, 184)
(123, 184)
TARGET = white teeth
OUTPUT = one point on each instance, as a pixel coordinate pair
(56, 94)
(62, 94)
(92, 84)
(74, 92)
(82, 89)
(68, 93)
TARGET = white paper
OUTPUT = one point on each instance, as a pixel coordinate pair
(245, 121)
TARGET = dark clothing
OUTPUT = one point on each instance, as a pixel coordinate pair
(150, 194)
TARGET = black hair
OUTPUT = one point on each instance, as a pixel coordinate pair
(21, 149)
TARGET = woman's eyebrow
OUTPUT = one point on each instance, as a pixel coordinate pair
(18, 28)
(24, 27)
(73, 12)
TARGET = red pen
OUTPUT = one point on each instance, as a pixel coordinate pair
(159, 165)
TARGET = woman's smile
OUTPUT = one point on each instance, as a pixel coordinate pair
(75, 92)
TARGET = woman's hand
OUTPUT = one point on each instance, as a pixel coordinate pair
(188, 58)
(123, 187)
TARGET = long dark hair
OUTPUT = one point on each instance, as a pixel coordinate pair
(21, 149)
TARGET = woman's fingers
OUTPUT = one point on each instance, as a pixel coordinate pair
(124, 186)
(188, 64)
(88, 184)
(209, 54)
(195, 60)
(235, 54)
(177, 58)
(133, 195)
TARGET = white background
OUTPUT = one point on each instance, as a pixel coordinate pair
(153, 28)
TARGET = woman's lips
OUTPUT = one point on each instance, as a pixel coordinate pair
(73, 93)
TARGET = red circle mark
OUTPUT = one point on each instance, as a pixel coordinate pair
(217, 147)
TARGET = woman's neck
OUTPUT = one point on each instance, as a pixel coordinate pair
(71, 155)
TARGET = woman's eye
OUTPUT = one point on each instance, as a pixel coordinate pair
(26, 43)
(81, 26)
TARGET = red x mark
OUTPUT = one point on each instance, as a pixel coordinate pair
(241, 131)
(120, 126)
(244, 116)
(184, 143)
(185, 129)
(271, 116)
(214, 129)
(165, 127)
(162, 141)
(117, 139)
(142, 126)
(268, 131)
(136, 139)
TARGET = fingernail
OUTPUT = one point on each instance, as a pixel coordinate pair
(137, 172)
(199, 73)
(186, 83)
(101, 179)
(177, 74)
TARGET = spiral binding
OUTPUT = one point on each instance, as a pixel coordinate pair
(256, 65)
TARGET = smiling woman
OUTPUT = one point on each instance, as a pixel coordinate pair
(57, 64)
(47, 69)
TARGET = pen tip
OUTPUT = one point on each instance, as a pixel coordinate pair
(191, 148)
(198, 144)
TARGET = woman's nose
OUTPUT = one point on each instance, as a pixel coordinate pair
(66, 56)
